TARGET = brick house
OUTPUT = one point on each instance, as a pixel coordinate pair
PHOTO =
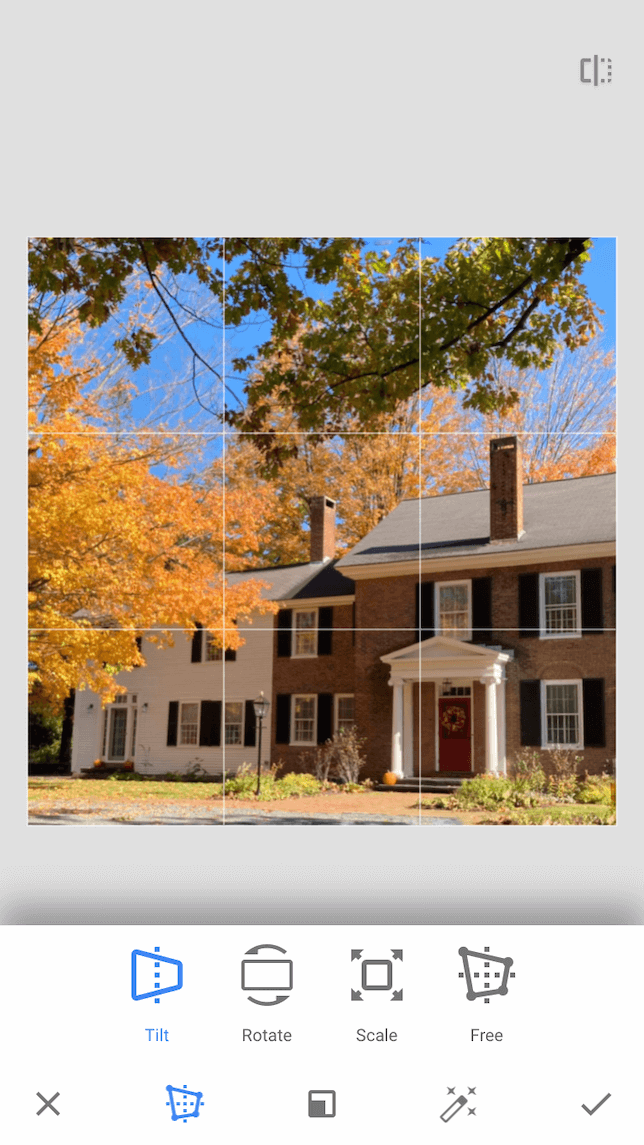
(462, 629)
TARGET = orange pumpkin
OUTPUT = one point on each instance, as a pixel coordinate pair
(390, 778)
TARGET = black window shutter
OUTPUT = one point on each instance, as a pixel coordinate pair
(592, 614)
(139, 642)
(230, 654)
(173, 721)
(325, 626)
(528, 604)
(424, 610)
(197, 642)
(482, 610)
(210, 728)
(594, 718)
(283, 718)
(530, 694)
(325, 717)
(284, 635)
(249, 724)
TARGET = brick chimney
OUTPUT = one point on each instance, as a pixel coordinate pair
(506, 489)
(322, 528)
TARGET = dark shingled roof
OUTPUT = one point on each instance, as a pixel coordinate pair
(299, 582)
(577, 511)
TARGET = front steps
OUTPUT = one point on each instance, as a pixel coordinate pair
(442, 783)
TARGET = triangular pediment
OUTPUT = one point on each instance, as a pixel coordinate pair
(439, 648)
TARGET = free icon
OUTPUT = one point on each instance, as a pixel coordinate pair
(376, 974)
(153, 974)
(269, 976)
(485, 974)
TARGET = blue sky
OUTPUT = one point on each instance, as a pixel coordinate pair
(172, 360)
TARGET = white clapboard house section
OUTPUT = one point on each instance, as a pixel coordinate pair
(188, 707)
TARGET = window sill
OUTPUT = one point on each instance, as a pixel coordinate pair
(562, 747)
(560, 635)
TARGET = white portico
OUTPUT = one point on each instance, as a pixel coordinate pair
(443, 660)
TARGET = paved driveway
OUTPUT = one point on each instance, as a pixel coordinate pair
(197, 817)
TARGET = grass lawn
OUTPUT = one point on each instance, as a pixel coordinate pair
(67, 794)
(303, 794)
(554, 814)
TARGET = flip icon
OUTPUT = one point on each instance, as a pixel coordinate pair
(154, 974)
(485, 973)
(184, 1103)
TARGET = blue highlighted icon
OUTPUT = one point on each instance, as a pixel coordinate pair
(184, 1103)
(153, 974)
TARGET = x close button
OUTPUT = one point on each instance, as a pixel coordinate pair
(49, 1104)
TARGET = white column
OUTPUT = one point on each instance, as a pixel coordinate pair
(491, 736)
(502, 762)
(397, 731)
(408, 728)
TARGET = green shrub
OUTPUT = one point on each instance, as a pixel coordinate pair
(595, 789)
(244, 784)
(555, 817)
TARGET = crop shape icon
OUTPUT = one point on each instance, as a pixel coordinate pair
(154, 974)
(485, 973)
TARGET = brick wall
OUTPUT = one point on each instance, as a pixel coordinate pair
(391, 601)
(333, 674)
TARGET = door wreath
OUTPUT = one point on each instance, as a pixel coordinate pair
(453, 718)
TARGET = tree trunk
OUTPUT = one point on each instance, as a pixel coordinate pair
(65, 753)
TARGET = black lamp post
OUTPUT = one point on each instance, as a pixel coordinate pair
(261, 706)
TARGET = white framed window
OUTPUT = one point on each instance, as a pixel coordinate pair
(189, 724)
(133, 733)
(211, 650)
(454, 609)
(233, 721)
(559, 605)
(304, 719)
(455, 690)
(305, 632)
(561, 713)
(344, 712)
(118, 729)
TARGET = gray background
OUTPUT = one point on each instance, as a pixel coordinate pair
(356, 119)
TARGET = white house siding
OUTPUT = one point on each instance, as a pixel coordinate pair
(170, 675)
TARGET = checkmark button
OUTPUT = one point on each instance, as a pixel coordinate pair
(596, 1107)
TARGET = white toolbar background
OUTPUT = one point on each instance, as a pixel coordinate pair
(71, 1027)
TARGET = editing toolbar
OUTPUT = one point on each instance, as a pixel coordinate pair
(477, 1033)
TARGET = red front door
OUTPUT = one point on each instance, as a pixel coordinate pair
(454, 733)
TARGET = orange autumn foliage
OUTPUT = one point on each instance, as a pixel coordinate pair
(115, 550)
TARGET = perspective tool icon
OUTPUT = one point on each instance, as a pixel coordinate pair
(266, 976)
(485, 973)
(184, 1103)
(154, 974)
